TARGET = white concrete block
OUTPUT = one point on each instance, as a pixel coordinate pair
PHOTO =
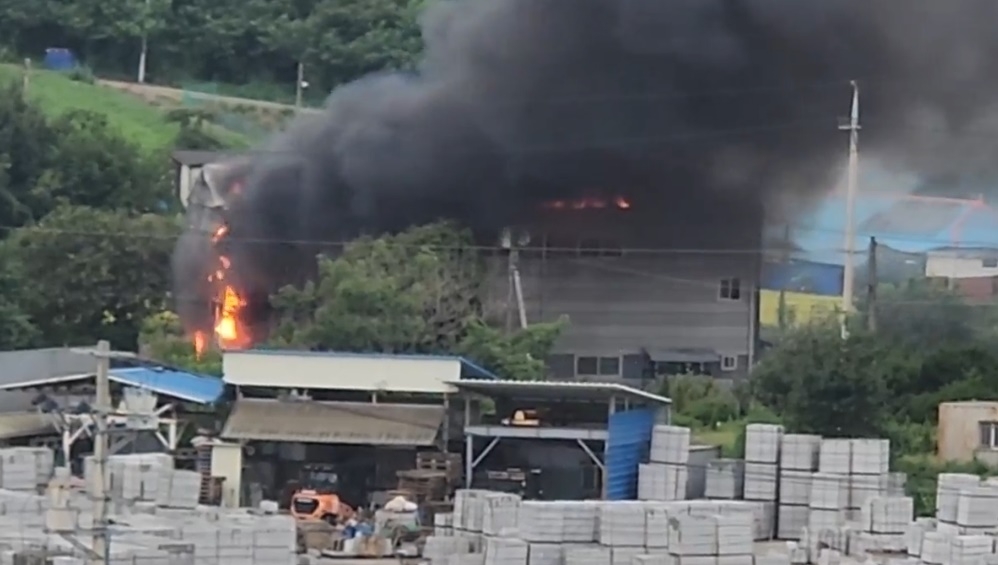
(760, 481)
(762, 443)
(625, 555)
(500, 514)
(887, 515)
(870, 456)
(819, 519)
(795, 487)
(662, 481)
(791, 521)
(622, 524)
(970, 550)
(670, 444)
(725, 479)
(977, 506)
(935, 549)
(545, 554)
(734, 534)
(829, 491)
(692, 535)
(799, 452)
(948, 487)
(835, 456)
(865, 487)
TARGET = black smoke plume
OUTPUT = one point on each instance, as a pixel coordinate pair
(695, 107)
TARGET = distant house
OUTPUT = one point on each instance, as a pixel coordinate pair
(962, 262)
(187, 166)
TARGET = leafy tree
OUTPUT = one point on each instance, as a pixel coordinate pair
(163, 339)
(922, 313)
(28, 146)
(85, 273)
(823, 384)
(16, 329)
(415, 292)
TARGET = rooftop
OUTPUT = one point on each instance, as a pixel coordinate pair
(571, 391)
(174, 383)
(468, 368)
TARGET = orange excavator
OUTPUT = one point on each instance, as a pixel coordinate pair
(317, 499)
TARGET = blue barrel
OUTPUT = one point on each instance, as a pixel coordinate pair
(59, 59)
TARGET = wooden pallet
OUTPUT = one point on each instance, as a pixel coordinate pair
(449, 463)
(424, 484)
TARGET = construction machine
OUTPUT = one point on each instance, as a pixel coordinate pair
(317, 497)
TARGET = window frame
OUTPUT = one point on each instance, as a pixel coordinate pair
(599, 371)
(729, 289)
(729, 367)
(988, 428)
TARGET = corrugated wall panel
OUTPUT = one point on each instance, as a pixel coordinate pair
(628, 437)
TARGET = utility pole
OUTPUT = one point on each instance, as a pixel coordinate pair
(871, 291)
(145, 45)
(102, 410)
(300, 85)
(849, 273)
(781, 311)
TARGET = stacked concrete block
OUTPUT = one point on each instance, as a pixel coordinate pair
(178, 488)
(500, 513)
(734, 536)
(868, 471)
(545, 554)
(977, 509)
(948, 488)
(970, 550)
(505, 551)
(588, 555)
(469, 511)
(443, 524)
(835, 456)
(622, 524)
(20, 468)
(725, 479)
(800, 452)
(558, 521)
(652, 559)
(828, 501)
(662, 481)
(798, 460)
(691, 535)
(887, 514)
(914, 533)
(762, 457)
(666, 475)
(625, 555)
(438, 548)
(657, 526)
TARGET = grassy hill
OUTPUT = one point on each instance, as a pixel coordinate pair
(143, 123)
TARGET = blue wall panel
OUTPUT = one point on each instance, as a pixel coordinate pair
(628, 440)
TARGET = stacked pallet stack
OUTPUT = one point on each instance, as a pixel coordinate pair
(500, 513)
(622, 528)
(949, 487)
(762, 457)
(798, 460)
(666, 475)
(25, 468)
(828, 501)
(884, 521)
(725, 479)
(869, 463)
(469, 515)
(976, 510)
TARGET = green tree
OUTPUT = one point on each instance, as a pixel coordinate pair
(415, 292)
(823, 384)
(87, 274)
(163, 339)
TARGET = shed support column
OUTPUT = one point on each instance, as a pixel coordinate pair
(592, 455)
(469, 445)
(446, 430)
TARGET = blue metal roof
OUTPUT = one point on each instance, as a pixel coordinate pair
(469, 369)
(170, 382)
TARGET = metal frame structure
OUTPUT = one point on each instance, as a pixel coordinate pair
(615, 395)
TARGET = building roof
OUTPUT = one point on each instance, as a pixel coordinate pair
(160, 380)
(197, 158)
(570, 391)
(469, 369)
(28, 364)
(333, 422)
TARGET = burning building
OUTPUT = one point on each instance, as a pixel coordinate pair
(637, 143)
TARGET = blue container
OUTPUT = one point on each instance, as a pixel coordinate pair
(59, 59)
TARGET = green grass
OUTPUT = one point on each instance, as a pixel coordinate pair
(138, 121)
(725, 435)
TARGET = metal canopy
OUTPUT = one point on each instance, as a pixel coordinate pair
(333, 422)
(563, 391)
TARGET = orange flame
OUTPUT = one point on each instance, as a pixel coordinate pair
(589, 203)
(229, 330)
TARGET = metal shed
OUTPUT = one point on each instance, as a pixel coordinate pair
(622, 433)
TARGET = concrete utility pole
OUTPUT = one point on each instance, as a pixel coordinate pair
(300, 86)
(102, 411)
(143, 54)
(849, 273)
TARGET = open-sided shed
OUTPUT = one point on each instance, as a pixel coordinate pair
(610, 422)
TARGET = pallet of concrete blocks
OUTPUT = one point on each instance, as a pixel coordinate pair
(691, 535)
(622, 524)
(437, 549)
(662, 481)
(652, 559)
(505, 551)
(670, 444)
(19, 469)
(800, 452)
(466, 559)
(977, 509)
(725, 479)
(443, 524)
(580, 521)
(500, 513)
(469, 509)
(762, 514)
(948, 487)
(761, 480)
(888, 515)
(588, 555)
(914, 533)
(657, 524)
(935, 549)
(762, 443)
(620, 555)
(544, 521)
(734, 535)
(178, 488)
(545, 554)
(969, 550)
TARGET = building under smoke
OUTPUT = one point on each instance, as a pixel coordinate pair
(701, 115)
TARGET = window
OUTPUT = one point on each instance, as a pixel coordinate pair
(731, 289)
(673, 368)
(990, 263)
(597, 366)
(989, 435)
(729, 363)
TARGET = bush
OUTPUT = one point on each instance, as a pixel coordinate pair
(702, 400)
(82, 74)
(923, 473)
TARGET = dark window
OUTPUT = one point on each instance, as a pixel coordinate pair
(989, 435)
(609, 366)
(731, 289)
(990, 263)
(587, 365)
(672, 368)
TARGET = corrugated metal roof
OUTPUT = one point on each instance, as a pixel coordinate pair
(468, 368)
(333, 422)
(24, 424)
(559, 390)
(168, 382)
(27, 364)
